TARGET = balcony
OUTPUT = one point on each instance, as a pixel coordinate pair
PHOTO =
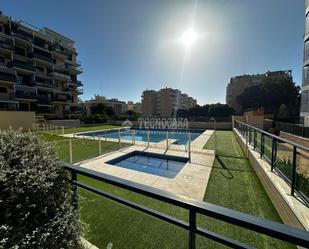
(61, 50)
(39, 81)
(80, 90)
(22, 35)
(22, 65)
(43, 100)
(73, 68)
(7, 74)
(60, 75)
(41, 55)
(61, 98)
(6, 45)
(24, 95)
(45, 110)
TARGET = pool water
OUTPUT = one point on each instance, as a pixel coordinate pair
(151, 163)
(156, 136)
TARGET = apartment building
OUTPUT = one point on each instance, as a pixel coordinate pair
(137, 107)
(38, 71)
(164, 102)
(238, 84)
(117, 105)
(304, 107)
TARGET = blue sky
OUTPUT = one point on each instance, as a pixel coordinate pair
(128, 46)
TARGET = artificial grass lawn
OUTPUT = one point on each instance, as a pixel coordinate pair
(83, 129)
(82, 149)
(232, 184)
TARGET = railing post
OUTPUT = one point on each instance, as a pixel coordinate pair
(119, 138)
(62, 130)
(105, 135)
(254, 140)
(189, 147)
(74, 191)
(273, 153)
(134, 136)
(192, 228)
(262, 145)
(100, 147)
(70, 151)
(148, 138)
(167, 140)
(293, 171)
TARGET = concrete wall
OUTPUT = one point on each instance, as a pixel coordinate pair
(192, 125)
(68, 123)
(17, 119)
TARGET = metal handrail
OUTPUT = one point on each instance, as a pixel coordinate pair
(270, 228)
(275, 137)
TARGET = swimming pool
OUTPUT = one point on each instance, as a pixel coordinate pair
(151, 163)
(179, 137)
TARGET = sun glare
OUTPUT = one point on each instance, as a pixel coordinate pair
(189, 37)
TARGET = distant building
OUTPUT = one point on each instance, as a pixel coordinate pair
(131, 106)
(304, 107)
(38, 71)
(238, 84)
(164, 102)
(117, 105)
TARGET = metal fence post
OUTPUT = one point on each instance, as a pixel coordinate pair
(105, 135)
(167, 140)
(70, 151)
(192, 227)
(273, 153)
(119, 138)
(134, 136)
(100, 147)
(189, 147)
(254, 140)
(62, 130)
(293, 171)
(262, 145)
(148, 138)
(74, 191)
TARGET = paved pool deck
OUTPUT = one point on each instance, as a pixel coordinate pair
(190, 182)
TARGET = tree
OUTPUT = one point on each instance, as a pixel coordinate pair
(35, 206)
(102, 109)
(212, 110)
(271, 94)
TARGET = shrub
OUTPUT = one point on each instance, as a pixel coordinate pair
(35, 210)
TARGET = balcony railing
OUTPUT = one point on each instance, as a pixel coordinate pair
(44, 100)
(7, 74)
(288, 159)
(194, 208)
(59, 74)
(6, 45)
(22, 65)
(73, 67)
(43, 82)
(23, 95)
(21, 35)
(61, 98)
(59, 49)
(41, 57)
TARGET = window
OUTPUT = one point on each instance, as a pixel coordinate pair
(40, 69)
(2, 60)
(3, 90)
(20, 51)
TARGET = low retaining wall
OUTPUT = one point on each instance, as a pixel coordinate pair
(284, 210)
(17, 119)
(296, 139)
(192, 125)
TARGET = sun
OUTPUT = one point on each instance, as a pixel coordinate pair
(188, 38)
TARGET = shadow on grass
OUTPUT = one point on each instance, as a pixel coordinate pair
(228, 169)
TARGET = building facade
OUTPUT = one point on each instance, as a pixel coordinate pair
(117, 105)
(238, 84)
(165, 102)
(131, 106)
(38, 71)
(304, 107)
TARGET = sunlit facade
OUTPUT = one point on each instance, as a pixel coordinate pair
(304, 109)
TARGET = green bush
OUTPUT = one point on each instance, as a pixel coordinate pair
(35, 210)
